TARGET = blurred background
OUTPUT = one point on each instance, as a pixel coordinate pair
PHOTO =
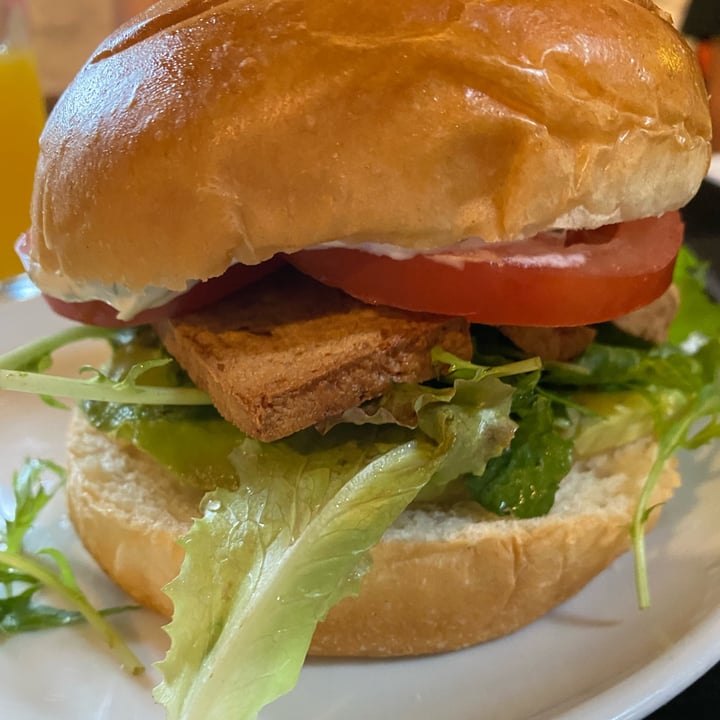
(66, 31)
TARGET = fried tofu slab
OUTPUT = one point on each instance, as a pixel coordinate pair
(288, 352)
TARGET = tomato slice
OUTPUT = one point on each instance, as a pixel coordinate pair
(551, 280)
(95, 312)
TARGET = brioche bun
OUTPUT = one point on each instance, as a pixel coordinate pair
(203, 133)
(440, 580)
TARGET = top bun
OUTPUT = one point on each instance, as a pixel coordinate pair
(208, 131)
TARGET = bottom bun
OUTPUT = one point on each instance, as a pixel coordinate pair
(440, 580)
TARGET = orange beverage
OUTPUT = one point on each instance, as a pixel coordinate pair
(22, 113)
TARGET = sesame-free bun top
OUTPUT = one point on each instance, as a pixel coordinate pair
(209, 131)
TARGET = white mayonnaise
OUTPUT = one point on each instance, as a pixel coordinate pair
(131, 303)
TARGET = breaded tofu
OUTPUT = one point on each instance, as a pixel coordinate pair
(289, 352)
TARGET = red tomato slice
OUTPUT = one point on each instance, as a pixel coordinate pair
(551, 280)
(235, 277)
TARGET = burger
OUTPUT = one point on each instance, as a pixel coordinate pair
(391, 290)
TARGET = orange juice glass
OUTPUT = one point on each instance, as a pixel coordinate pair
(22, 114)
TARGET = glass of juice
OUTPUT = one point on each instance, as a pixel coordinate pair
(22, 114)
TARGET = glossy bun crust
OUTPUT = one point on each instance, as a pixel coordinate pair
(211, 130)
(440, 579)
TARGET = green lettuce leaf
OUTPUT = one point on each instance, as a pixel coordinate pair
(23, 574)
(523, 481)
(678, 382)
(478, 413)
(698, 312)
(267, 561)
(24, 370)
(695, 425)
(193, 441)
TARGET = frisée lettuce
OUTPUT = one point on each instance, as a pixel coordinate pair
(24, 574)
(267, 561)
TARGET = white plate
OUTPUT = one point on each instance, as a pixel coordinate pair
(713, 174)
(596, 657)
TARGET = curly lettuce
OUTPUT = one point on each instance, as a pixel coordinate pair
(267, 561)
